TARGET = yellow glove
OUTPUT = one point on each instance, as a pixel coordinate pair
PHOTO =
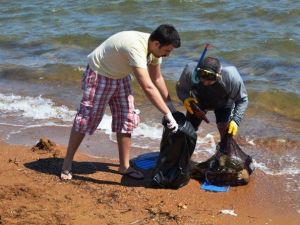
(233, 128)
(187, 104)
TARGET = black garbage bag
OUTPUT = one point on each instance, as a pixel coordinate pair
(173, 167)
(228, 166)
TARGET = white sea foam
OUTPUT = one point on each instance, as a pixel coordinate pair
(34, 107)
(287, 170)
(41, 108)
(81, 69)
(153, 131)
(150, 131)
(11, 124)
(145, 136)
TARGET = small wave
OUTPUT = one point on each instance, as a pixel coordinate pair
(40, 108)
(34, 107)
(52, 74)
(83, 40)
(277, 101)
(153, 131)
(288, 170)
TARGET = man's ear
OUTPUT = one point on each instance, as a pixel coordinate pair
(156, 44)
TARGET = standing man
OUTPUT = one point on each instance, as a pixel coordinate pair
(213, 87)
(107, 81)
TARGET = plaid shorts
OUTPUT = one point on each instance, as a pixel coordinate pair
(98, 91)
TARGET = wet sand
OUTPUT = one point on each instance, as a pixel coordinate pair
(32, 193)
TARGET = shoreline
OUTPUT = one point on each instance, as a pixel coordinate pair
(32, 193)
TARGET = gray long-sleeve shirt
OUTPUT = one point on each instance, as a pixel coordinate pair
(229, 90)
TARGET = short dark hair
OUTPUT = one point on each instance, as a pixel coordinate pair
(166, 34)
(211, 64)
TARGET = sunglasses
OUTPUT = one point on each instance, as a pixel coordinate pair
(208, 75)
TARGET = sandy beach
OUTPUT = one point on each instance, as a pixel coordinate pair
(32, 193)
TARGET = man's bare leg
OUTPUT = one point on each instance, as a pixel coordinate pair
(124, 144)
(74, 142)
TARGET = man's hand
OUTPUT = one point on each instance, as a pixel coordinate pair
(233, 128)
(192, 107)
(188, 104)
(172, 124)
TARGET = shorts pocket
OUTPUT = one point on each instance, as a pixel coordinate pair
(89, 80)
(133, 115)
(135, 118)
